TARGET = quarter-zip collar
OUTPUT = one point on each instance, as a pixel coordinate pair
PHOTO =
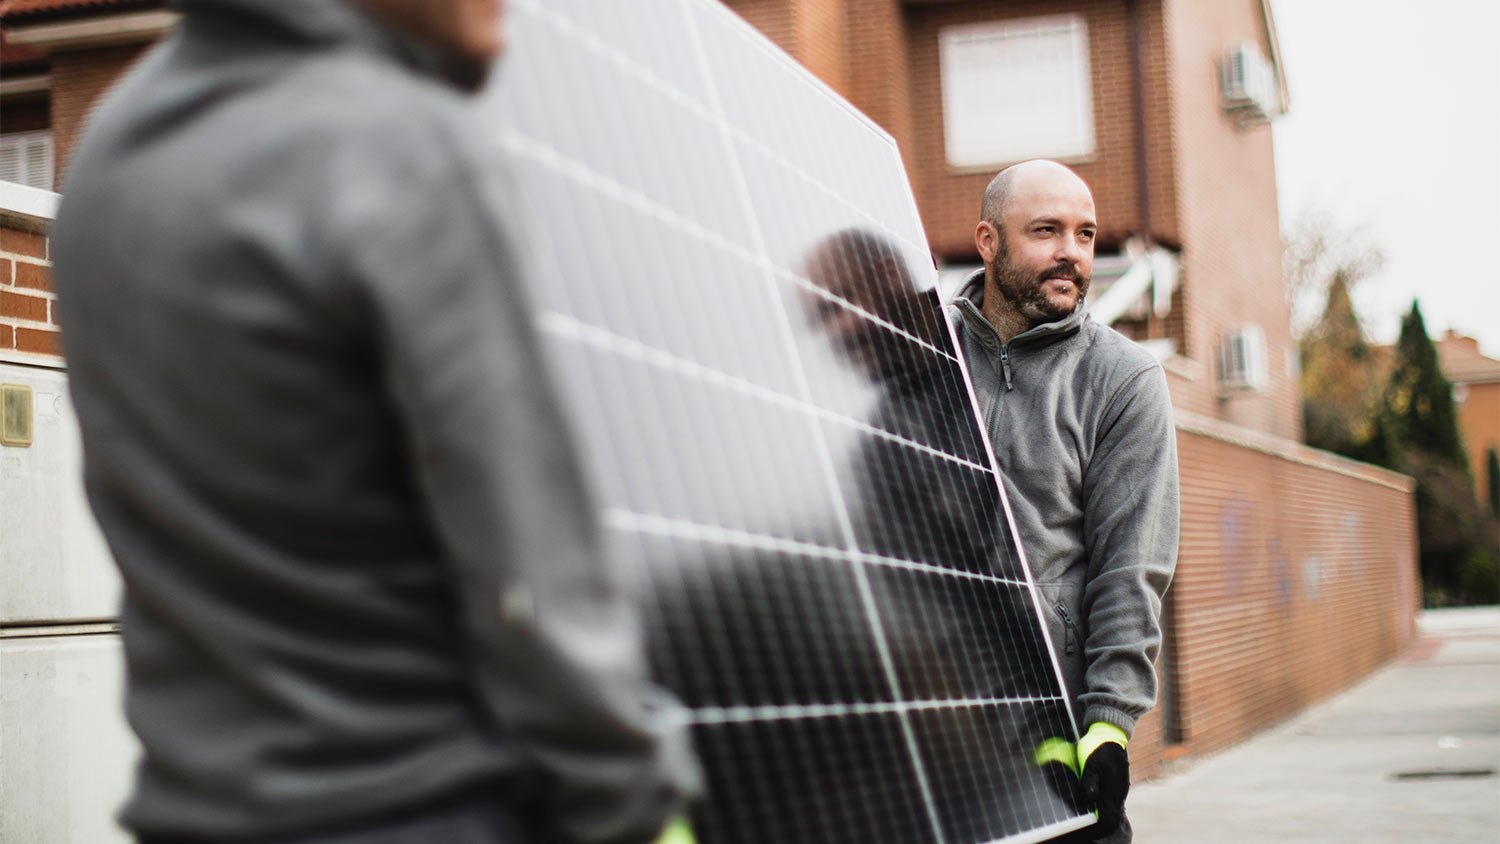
(970, 297)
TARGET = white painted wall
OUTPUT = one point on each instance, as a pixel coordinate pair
(66, 754)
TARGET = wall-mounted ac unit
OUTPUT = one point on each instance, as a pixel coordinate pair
(1242, 360)
(1247, 85)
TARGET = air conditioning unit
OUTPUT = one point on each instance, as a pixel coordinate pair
(1247, 85)
(1242, 360)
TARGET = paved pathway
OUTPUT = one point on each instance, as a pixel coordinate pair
(1398, 758)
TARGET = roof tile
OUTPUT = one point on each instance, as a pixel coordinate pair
(1463, 363)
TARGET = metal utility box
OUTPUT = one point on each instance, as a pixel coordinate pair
(66, 753)
(54, 566)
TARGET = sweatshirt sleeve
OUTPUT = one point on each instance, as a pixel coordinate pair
(1131, 511)
(555, 643)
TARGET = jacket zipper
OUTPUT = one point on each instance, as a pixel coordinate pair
(1070, 640)
(1005, 366)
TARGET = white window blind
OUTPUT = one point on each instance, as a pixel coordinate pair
(1015, 90)
(26, 158)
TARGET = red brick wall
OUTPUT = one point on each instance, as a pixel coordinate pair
(1148, 746)
(78, 78)
(1296, 577)
(950, 199)
(1227, 210)
(28, 307)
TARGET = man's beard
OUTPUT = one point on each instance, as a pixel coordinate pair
(468, 74)
(1023, 290)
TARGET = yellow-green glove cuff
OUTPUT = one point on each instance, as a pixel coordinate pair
(1057, 750)
(1099, 733)
(677, 832)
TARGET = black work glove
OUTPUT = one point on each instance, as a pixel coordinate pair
(1105, 782)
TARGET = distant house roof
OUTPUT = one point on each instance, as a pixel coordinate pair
(1462, 362)
(18, 58)
(32, 16)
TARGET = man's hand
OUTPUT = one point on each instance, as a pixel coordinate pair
(1058, 760)
(1105, 773)
(677, 832)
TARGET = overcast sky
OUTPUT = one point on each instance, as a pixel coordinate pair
(1395, 128)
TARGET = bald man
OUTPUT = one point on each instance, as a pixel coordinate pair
(1081, 423)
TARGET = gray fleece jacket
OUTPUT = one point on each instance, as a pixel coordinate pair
(363, 573)
(1081, 424)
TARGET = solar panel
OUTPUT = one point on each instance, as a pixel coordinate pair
(736, 292)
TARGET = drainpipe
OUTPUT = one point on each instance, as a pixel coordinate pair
(1142, 164)
(1138, 97)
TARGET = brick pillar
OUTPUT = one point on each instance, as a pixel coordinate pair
(858, 47)
(879, 76)
(812, 31)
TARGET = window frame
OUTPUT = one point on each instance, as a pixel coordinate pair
(957, 86)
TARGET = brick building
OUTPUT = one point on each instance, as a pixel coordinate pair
(1297, 573)
(1476, 390)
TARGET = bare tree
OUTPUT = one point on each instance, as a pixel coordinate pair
(1320, 247)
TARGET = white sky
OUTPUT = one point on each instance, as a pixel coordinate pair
(1394, 128)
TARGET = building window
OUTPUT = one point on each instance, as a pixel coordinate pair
(26, 159)
(1015, 90)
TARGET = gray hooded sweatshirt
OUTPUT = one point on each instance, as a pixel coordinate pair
(1081, 423)
(363, 573)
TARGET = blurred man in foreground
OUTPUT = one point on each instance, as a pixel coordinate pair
(365, 595)
(1081, 423)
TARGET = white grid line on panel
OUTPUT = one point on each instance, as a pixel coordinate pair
(647, 523)
(841, 507)
(518, 144)
(571, 328)
(537, 151)
(821, 292)
(708, 715)
(676, 95)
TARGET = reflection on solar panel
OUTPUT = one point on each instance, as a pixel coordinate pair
(784, 437)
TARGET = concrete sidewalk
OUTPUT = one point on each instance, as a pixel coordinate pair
(1398, 758)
